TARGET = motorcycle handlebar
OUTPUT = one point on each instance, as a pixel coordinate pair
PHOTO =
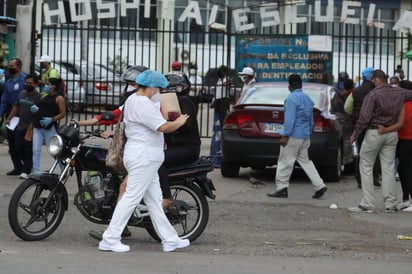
(94, 133)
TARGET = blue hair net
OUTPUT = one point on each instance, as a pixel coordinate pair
(366, 73)
(151, 78)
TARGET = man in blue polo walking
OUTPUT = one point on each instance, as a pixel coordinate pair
(295, 141)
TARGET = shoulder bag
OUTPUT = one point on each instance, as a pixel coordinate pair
(114, 157)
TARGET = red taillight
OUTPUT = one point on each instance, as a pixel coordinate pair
(101, 86)
(321, 124)
(235, 121)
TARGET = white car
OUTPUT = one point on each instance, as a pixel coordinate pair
(102, 86)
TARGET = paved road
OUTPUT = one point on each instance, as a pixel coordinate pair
(247, 233)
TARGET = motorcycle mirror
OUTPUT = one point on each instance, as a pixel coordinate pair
(107, 116)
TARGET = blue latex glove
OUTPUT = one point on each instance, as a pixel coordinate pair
(45, 121)
(34, 108)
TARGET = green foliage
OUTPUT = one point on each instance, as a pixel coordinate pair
(118, 65)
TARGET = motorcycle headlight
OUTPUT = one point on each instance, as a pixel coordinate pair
(55, 146)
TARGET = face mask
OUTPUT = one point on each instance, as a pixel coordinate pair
(29, 87)
(2, 80)
(394, 85)
(130, 88)
(155, 97)
(46, 89)
(192, 71)
(12, 71)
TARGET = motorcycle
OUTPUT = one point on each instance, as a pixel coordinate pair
(38, 204)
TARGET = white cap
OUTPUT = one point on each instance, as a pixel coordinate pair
(45, 58)
(247, 71)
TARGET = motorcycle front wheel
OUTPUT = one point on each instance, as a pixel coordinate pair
(28, 217)
(190, 214)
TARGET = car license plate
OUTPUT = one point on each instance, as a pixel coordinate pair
(273, 127)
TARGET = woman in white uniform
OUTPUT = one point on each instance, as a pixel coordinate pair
(143, 155)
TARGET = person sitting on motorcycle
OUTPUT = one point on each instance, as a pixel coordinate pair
(183, 146)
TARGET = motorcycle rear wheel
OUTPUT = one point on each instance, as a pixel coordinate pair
(28, 220)
(191, 212)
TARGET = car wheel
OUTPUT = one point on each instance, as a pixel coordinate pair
(229, 169)
(333, 173)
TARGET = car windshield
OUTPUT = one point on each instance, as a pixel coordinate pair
(277, 95)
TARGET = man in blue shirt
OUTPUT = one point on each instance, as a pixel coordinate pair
(12, 88)
(295, 141)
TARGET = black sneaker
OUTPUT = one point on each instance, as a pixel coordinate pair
(13, 172)
(319, 193)
(283, 193)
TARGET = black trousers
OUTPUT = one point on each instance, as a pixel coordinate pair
(23, 150)
(175, 157)
(222, 107)
(404, 154)
(196, 100)
(15, 158)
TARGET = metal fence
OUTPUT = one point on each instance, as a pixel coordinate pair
(104, 51)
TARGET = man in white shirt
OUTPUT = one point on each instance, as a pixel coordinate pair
(247, 75)
(196, 85)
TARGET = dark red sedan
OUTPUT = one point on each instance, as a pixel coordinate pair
(250, 133)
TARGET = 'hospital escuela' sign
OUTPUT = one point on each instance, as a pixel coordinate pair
(269, 13)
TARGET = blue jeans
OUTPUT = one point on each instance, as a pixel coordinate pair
(40, 135)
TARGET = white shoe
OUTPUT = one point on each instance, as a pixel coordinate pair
(403, 205)
(181, 243)
(24, 175)
(117, 247)
(408, 209)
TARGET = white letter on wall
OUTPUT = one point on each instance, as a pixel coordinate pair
(192, 10)
(168, 5)
(87, 10)
(240, 20)
(329, 12)
(212, 20)
(404, 22)
(128, 5)
(49, 13)
(269, 15)
(346, 12)
(291, 13)
(370, 21)
(111, 13)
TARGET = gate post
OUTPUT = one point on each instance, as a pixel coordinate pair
(165, 34)
(24, 33)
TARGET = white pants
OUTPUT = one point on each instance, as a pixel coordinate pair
(296, 150)
(384, 145)
(142, 182)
